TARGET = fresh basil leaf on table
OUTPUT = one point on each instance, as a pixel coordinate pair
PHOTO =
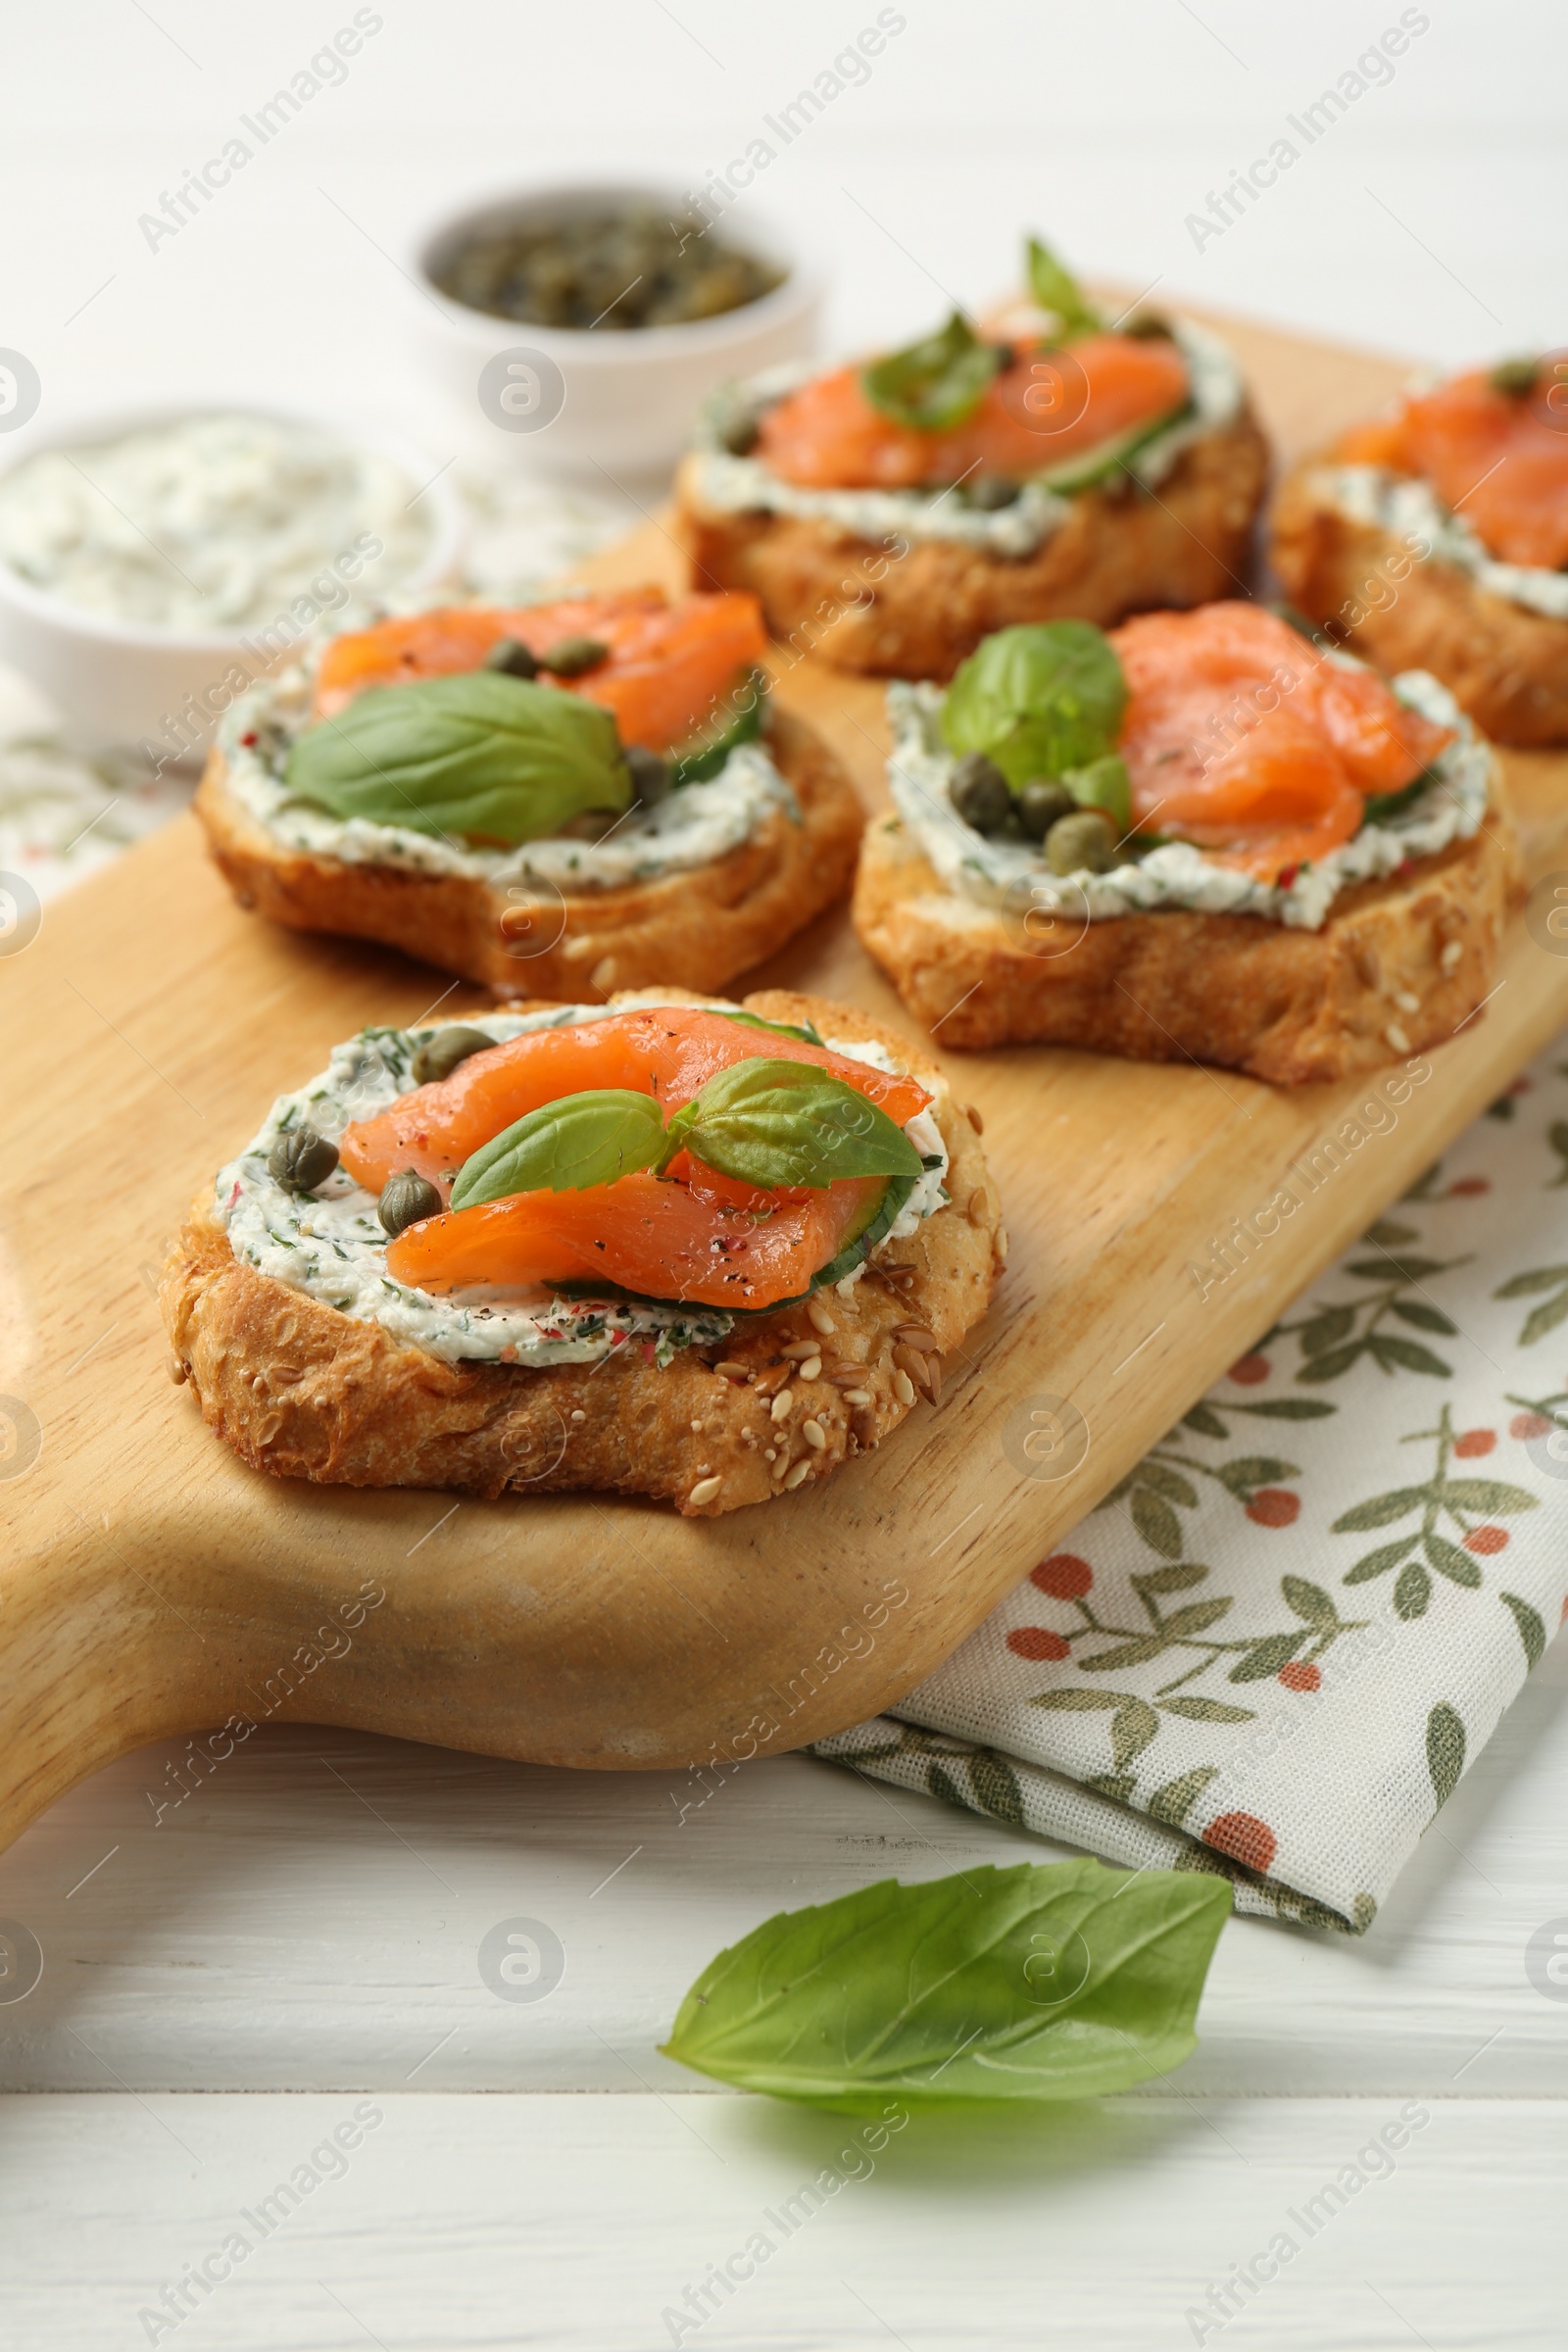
(583, 1140)
(1037, 700)
(937, 382)
(481, 754)
(1057, 290)
(771, 1123)
(1054, 1981)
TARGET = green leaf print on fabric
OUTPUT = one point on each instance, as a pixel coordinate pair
(1175, 1800)
(1334, 1338)
(1550, 1312)
(1557, 1138)
(1532, 1632)
(1445, 1751)
(1438, 1497)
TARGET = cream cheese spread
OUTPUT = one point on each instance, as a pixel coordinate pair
(1014, 877)
(730, 484)
(693, 826)
(330, 1243)
(1412, 510)
(211, 523)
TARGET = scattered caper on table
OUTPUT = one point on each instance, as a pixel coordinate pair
(444, 1048)
(300, 1159)
(405, 1198)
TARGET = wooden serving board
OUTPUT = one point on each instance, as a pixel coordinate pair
(152, 1586)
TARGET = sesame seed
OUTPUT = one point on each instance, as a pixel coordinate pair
(1001, 1244)
(1450, 955)
(782, 1406)
(903, 1387)
(1396, 1038)
(816, 1436)
(603, 974)
(818, 1316)
(802, 1469)
(811, 1369)
(704, 1490)
(1406, 1001)
(857, 1397)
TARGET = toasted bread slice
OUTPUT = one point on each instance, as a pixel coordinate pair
(691, 929)
(302, 1390)
(920, 614)
(1396, 966)
(1506, 665)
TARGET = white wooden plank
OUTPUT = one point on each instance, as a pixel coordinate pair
(464, 2222)
(311, 1918)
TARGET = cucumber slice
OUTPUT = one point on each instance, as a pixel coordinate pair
(702, 756)
(1098, 465)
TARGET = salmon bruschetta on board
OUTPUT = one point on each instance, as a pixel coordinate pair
(1435, 537)
(1201, 837)
(1052, 461)
(696, 1250)
(565, 798)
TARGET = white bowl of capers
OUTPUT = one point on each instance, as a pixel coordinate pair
(578, 328)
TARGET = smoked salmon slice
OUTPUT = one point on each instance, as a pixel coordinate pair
(660, 1238)
(1041, 410)
(671, 668)
(666, 1050)
(1243, 738)
(1500, 459)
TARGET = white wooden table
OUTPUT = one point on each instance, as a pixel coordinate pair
(227, 1983)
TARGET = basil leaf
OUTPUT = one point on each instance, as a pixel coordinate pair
(1104, 784)
(564, 1147)
(770, 1123)
(1037, 700)
(1054, 289)
(481, 754)
(935, 384)
(738, 721)
(1054, 1981)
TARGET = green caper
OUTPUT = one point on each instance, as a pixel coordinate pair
(649, 775)
(980, 792)
(513, 658)
(300, 1159)
(443, 1050)
(1514, 378)
(1040, 803)
(1082, 843)
(1148, 326)
(405, 1198)
(991, 491)
(574, 655)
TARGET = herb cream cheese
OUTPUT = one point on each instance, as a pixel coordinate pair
(730, 485)
(330, 1245)
(210, 523)
(1014, 877)
(693, 826)
(1410, 509)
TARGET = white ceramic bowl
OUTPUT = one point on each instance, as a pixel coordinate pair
(582, 403)
(123, 686)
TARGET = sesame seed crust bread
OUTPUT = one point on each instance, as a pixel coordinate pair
(693, 929)
(1396, 967)
(302, 1390)
(925, 612)
(1506, 665)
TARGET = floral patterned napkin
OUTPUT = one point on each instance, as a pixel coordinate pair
(1276, 1647)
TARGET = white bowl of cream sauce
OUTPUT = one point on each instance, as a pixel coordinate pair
(153, 564)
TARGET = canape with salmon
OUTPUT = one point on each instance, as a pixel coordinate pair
(1052, 463)
(562, 798)
(696, 1250)
(1435, 537)
(1203, 837)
